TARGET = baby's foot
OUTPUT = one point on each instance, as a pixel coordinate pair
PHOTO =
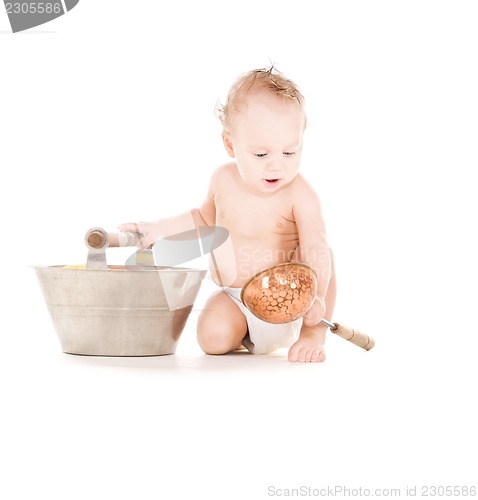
(309, 348)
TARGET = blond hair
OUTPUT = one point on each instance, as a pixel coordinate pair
(267, 80)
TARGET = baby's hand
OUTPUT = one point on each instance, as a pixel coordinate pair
(316, 312)
(149, 230)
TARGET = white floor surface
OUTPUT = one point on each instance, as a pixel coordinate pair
(238, 426)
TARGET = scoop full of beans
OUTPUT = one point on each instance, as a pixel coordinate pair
(282, 293)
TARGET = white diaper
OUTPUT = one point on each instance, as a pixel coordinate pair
(264, 337)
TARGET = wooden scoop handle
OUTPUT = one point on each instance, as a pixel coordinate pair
(354, 336)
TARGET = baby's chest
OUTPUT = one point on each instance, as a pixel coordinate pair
(252, 219)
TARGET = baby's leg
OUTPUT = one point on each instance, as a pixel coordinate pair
(221, 325)
(310, 345)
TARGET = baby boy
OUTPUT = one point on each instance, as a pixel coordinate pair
(273, 216)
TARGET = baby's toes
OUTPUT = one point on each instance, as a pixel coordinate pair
(317, 356)
(294, 353)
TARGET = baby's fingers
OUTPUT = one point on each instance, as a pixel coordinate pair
(315, 314)
(129, 227)
(133, 227)
(149, 231)
(312, 319)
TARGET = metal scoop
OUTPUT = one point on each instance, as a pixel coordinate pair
(284, 293)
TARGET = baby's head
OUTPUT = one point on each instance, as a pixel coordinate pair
(266, 81)
(263, 123)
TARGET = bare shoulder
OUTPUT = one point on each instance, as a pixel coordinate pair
(307, 212)
(220, 177)
(303, 193)
(225, 171)
(224, 175)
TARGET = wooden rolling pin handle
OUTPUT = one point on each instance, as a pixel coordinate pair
(354, 336)
(124, 239)
(99, 239)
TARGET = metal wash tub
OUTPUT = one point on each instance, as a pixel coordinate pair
(119, 310)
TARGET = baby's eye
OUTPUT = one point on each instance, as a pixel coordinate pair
(260, 155)
(288, 153)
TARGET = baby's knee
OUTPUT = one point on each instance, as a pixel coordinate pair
(216, 338)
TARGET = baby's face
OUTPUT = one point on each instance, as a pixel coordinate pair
(266, 140)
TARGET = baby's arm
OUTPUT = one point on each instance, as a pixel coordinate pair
(162, 228)
(313, 247)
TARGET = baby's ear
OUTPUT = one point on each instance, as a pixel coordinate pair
(226, 139)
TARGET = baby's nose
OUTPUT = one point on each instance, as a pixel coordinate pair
(274, 165)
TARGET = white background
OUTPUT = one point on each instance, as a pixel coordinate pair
(106, 116)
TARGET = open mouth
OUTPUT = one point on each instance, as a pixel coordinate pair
(272, 181)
